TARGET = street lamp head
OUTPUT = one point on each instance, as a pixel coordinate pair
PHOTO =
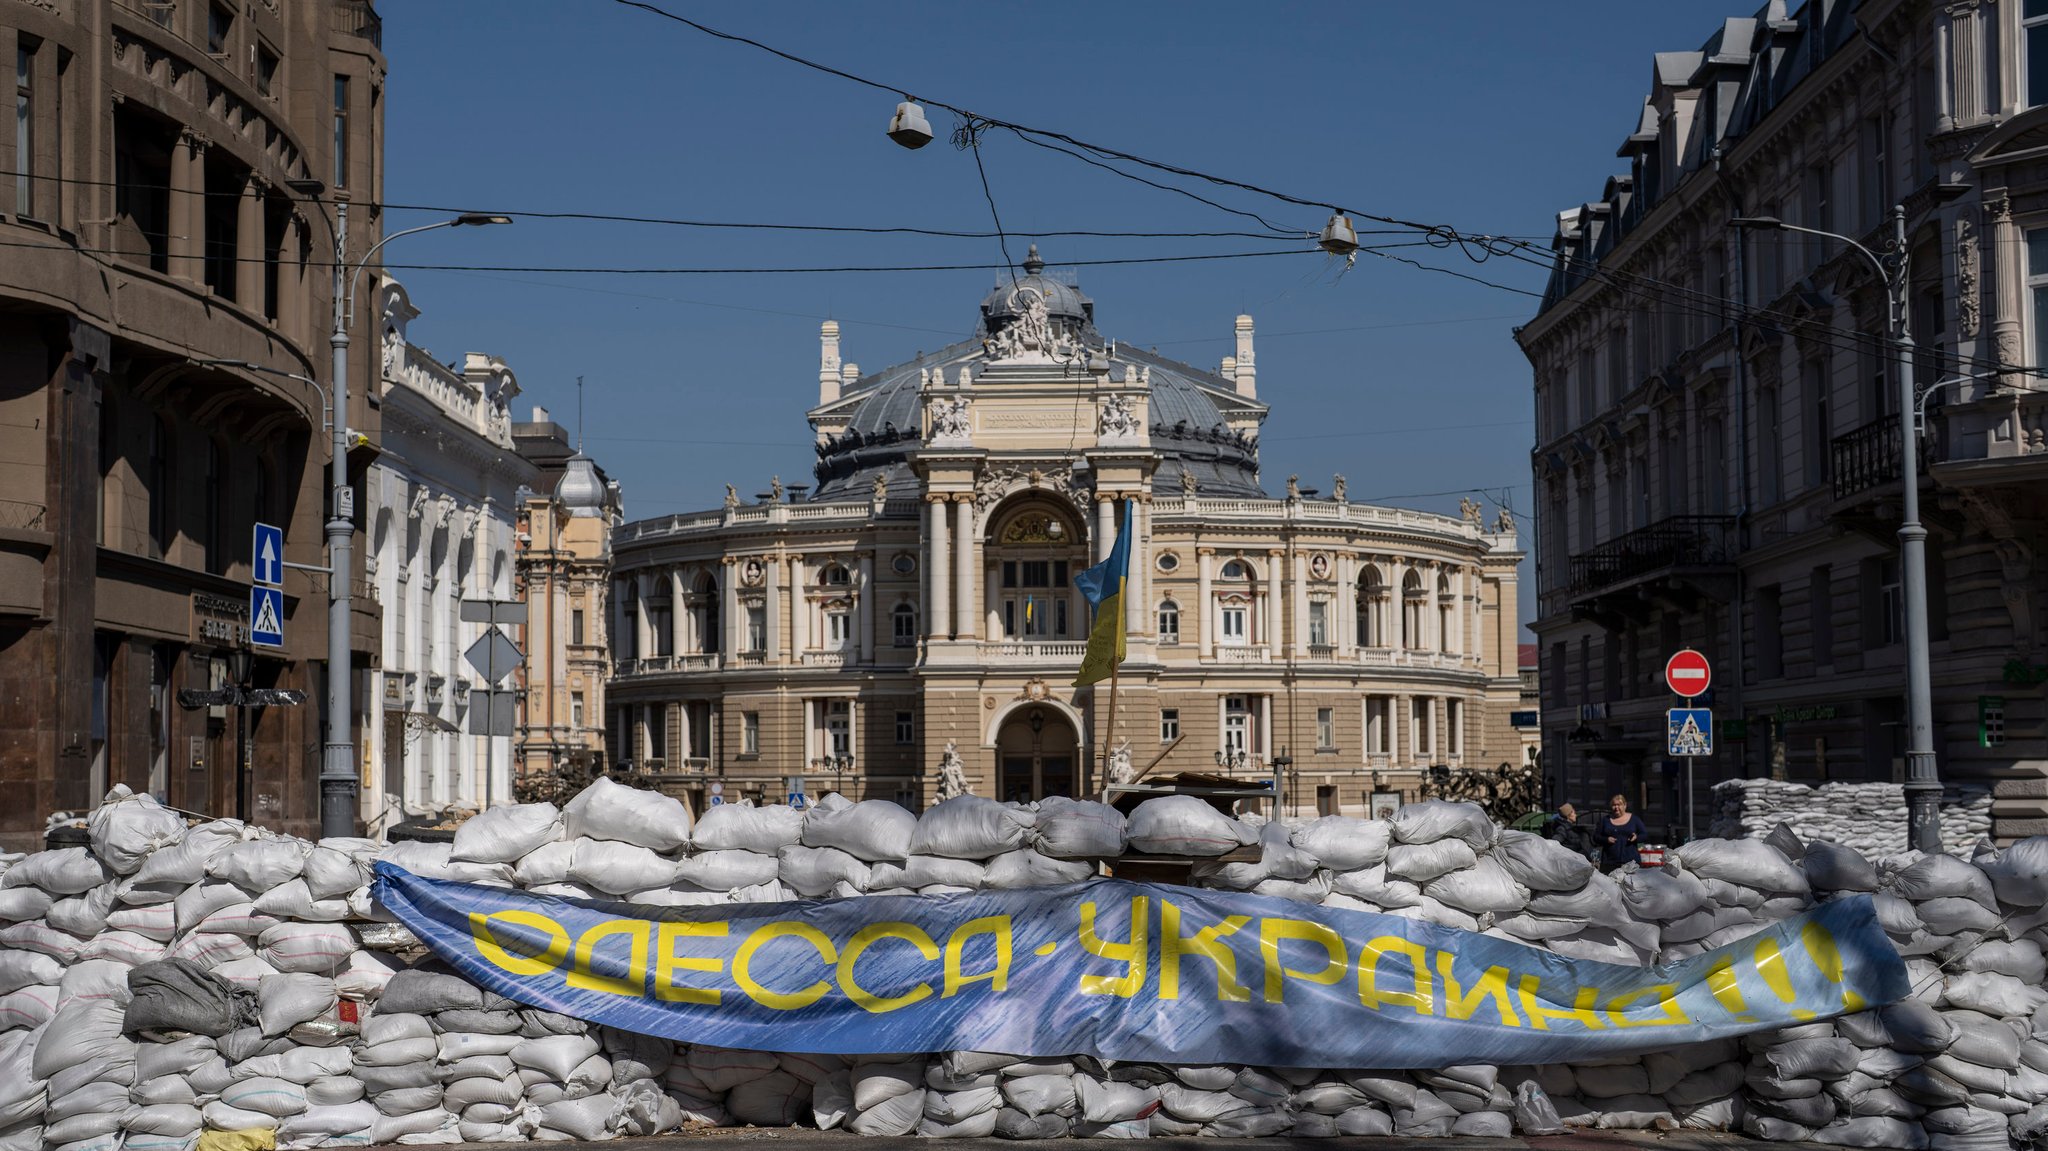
(306, 186)
(1758, 223)
(909, 127)
(479, 219)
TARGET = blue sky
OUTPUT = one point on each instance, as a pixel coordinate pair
(1486, 116)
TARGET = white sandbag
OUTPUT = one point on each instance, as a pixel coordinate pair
(341, 1119)
(28, 1007)
(184, 862)
(588, 1118)
(1078, 829)
(275, 1097)
(1433, 820)
(86, 1029)
(19, 903)
(258, 865)
(1314, 889)
(1744, 862)
(548, 863)
(338, 866)
(2019, 874)
(1541, 864)
(1872, 1131)
(1422, 862)
(1635, 1113)
(127, 827)
(1374, 887)
(203, 899)
(94, 979)
(1041, 1094)
(1343, 843)
(433, 861)
(1484, 1125)
(2021, 959)
(242, 919)
(1965, 1129)
(726, 869)
(1427, 1117)
(66, 871)
(163, 1119)
(1534, 1114)
(1027, 868)
(156, 922)
(313, 947)
(739, 827)
(920, 871)
(288, 999)
(1655, 894)
(1110, 1102)
(35, 935)
(608, 810)
(1485, 887)
(1367, 1121)
(83, 915)
(897, 1115)
(295, 900)
(969, 827)
(721, 1069)
(1942, 877)
(1993, 994)
(19, 969)
(813, 871)
(870, 830)
(1184, 825)
(556, 1055)
(506, 833)
(619, 867)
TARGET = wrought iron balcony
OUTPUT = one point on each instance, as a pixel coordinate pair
(1672, 542)
(1866, 457)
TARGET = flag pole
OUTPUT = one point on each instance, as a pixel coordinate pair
(1109, 732)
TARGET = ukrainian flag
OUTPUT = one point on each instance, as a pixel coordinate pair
(1103, 585)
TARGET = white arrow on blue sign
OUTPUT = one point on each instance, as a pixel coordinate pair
(266, 617)
(267, 556)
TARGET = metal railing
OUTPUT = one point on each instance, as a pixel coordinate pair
(357, 18)
(1675, 541)
(1863, 459)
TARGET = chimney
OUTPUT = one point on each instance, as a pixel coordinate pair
(850, 373)
(1247, 369)
(828, 362)
(540, 414)
(1229, 368)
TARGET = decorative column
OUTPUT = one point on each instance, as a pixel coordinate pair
(771, 610)
(964, 565)
(643, 624)
(1403, 717)
(1948, 64)
(2005, 249)
(1297, 601)
(249, 245)
(186, 242)
(799, 611)
(1271, 585)
(1205, 602)
(1105, 526)
(866, 606)
(992, 601)
(679, 616)
(1346, 614)
(729, 609)
(938, 579)
(1137, 599)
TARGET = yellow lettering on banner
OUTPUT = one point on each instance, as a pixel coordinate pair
(1820, 945)
(667, 962)
(1207, 943)
(997, 977)
(633, 982)
(1274, 932)
(1770, 963)
(1422, 998)
(867, 937)
(1667, 998)
(1721, 981)
(1131, 954)
(1530, 992)
(761, 937)
(1492, 985)
(487, 944)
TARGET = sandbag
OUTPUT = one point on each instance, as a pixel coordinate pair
(128, 827)
(777, 1099)
(764, 830)
(726, 869)
(1832, 867)
(870, 830)
(608, 810)
(970, 827)
(178, 995)
(619, 867)
(1422, 862)
(66, 871)
(1345, 843)
(1484, 888)
(1541, 864)
(813, 871)
(1184, 825)
(260, 864)
(1027, 868)
(506, 833)
(1077, 829)
(1744, 862)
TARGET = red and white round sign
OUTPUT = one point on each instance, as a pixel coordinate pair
(1688, 673)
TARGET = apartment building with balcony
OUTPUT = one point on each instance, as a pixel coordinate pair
(171, 177)
(1718, 416)
(920, 594)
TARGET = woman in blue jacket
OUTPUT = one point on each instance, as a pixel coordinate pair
(1618, 834)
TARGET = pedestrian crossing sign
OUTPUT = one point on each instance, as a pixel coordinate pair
(266, 617)
(1691, 731)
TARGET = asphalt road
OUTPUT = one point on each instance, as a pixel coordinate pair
(806, 1139)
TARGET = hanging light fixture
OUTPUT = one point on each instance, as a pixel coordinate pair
(908, 126)
(1339, 238)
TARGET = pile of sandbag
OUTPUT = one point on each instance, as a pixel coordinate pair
(1870, 817)
(181, 977)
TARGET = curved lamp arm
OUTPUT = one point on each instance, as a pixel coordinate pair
(464, 220)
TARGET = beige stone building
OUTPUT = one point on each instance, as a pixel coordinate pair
(564, 574)
(1718, 419)
(922, 593)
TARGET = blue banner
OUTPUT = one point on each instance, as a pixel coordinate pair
(1127, 971)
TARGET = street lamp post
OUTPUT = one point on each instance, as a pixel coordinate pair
(1923, 780)
(338, 774)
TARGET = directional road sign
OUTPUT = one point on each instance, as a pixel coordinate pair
(266, 617)
(1691, 731)
(510, 611)
(267, 555)
(494, 657)
(1688, 673)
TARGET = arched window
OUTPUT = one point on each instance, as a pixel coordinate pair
(1444, 607)
(1169, 622)
(1372, 607)
(705, 611)
(835, 575)
(903, 625)
(1411, 610)
(1235, 569)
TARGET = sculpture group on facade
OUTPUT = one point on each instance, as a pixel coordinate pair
(952, 773)
(1118, 421)
(950, 418)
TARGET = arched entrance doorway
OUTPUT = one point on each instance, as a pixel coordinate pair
(1037, 754)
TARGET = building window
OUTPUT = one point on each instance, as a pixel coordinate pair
(1990, 721)
(1377, 733)
(1372, 605)
(757, 628)
(1411, 604)
(1445, 606)
(576, 710)
(1770, 643)
(341, 131)
(1234, 620)
(1454, 725)
(1319, 623)
(1820, 604)
(1031, 613)
(1422, 726)
(835, 575)
(1326, 729)
(163, 517)
(1237, 725)
(839, 727)
(1233, 570)
(750, 733)
(220, 25)
(1169, 622)
(2034, 27)
(903, 625)
(266, 70)
(576, 626)
(24, 129)
(1891, 602)
(1771, 441)
(838, 628)
(1169, 724)
(906, 728)
(1818, 433)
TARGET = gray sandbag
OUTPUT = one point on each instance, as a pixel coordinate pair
(179, 995)
(1833, 867)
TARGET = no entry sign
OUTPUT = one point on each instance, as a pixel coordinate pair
(1688, 673)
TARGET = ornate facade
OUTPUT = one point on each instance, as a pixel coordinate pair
(443, 499)
(1718, 416)
(919, 599)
